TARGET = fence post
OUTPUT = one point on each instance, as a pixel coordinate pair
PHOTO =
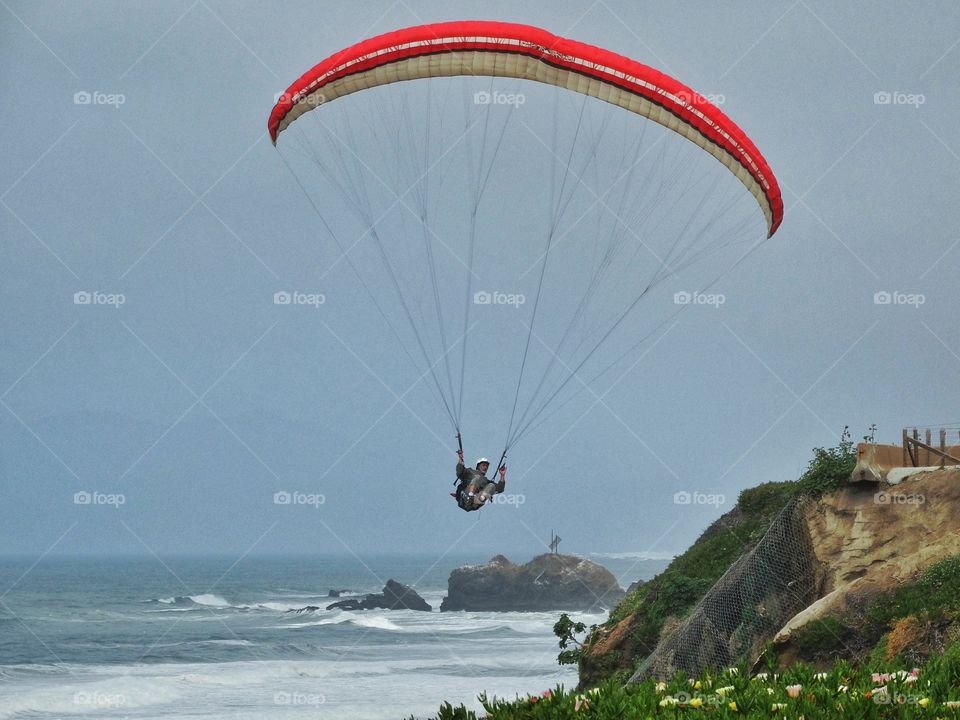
(943, 446)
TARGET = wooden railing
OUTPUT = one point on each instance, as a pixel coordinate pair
(922, 453)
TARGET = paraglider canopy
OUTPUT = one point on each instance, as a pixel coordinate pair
(500, 49)
(608, 176)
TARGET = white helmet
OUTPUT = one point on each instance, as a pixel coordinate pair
(481, 460)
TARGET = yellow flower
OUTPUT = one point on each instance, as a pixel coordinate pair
(697, 685)
(923, 702)
(732, 705)
(724, 690)
(696, 702)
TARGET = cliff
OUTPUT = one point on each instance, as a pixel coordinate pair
(820, 575)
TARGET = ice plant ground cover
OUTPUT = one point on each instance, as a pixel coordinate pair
(800, 691)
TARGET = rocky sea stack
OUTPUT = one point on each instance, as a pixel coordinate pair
(394, 597)
(548, 582)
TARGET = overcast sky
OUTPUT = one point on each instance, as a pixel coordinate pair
(198, 399)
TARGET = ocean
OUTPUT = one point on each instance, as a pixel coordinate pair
(213, 638)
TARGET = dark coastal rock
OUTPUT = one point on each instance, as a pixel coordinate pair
(308, 608)
(548, 582)
(394, 597)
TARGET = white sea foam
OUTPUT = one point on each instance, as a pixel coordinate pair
(635, 555)
(209, 600)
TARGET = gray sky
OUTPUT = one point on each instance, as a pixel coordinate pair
(198, 398)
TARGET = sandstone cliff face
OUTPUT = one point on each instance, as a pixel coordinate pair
(869, 539)
(818, 558)
(548, 582)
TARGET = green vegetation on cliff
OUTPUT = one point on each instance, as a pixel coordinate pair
(913, 622)
(656, 606)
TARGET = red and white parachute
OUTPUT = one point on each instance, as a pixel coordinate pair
(642, 211)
